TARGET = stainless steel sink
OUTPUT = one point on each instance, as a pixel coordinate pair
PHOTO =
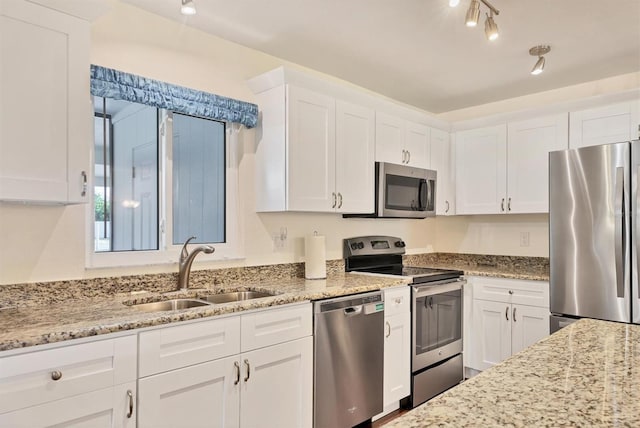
(170, 305)
(235, 297)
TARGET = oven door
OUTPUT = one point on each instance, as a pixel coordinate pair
(437, 323)
(404, 191)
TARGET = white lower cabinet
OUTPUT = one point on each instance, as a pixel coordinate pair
(265, 377)
(397, 347)
(106, 408)
(503, 323)
(84, 385)
(277, 386)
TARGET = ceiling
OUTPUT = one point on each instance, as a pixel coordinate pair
(419, 51)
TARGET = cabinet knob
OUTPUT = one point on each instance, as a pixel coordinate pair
(56, 375)
(510, 291)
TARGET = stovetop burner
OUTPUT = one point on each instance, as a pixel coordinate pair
(383, 255)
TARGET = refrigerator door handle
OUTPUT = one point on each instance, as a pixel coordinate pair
(620, 241)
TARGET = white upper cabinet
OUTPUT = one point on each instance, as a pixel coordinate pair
(45, 106)
(481, 178)
(504, 169)
(401, 141)
(440, 157)
(355, 167)
(528, 147)
(311, 144)
(604, 125)
(315, 153)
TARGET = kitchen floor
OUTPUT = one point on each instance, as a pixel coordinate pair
(391, 416)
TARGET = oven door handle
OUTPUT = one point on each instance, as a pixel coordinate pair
(430, 290)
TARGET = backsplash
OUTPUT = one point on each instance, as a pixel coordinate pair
(510, 263)
(38, 293)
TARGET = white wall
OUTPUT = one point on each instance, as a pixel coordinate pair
(39, 243)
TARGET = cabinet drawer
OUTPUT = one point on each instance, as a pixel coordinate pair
(170, 348)
(532, 293)
(275, 326)
(396, 300)
(27, 379)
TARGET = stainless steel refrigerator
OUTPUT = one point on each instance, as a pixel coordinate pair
(593, 228)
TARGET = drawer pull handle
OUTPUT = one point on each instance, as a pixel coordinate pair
(83, 193)
(130, 396)
(246, 362)
(237, 364)
(56, 375)
(389, 327)
(398, 300)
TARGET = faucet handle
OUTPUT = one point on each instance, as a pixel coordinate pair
(184, 253)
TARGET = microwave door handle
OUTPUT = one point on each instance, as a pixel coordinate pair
(422, 205)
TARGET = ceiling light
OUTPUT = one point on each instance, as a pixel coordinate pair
(454, 3)
(188, 7)
(473, 14)
(490, 27)
(539, 51)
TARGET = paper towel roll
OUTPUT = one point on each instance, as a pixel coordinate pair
(315, 265)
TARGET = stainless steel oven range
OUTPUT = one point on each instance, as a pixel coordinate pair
(436, 312)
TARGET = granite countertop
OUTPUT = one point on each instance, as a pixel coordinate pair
(587, 374)
(76, 318)
(513, 267)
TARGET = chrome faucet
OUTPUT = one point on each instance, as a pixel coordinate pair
(186, 259)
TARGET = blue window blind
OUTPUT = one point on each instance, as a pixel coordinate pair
(118, 85)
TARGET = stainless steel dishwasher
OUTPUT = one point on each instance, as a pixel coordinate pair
(348, 363)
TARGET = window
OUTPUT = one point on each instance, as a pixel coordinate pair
(160, 177)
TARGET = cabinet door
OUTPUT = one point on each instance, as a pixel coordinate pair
(355, 131)
(604, 125)
(390, 139)
(397, 358)
(277, 386)
(529, 324)
(37, 377)
(45, 119)
(492, 333)
(311, 138)
(529, 144)
(417, 144)
(178, 346)
(203, 395)
(441, 162)
(105, 408)
(481, 174)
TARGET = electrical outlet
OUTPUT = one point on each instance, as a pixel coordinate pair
(524, 239)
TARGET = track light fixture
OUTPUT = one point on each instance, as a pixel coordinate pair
(539, 51)
(473, 15)
(490, 27)
(188, 7)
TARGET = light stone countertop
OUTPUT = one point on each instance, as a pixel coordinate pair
(76, 318)
(585, 375)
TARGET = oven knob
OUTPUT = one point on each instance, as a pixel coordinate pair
(400, 244)
(360, 245)
(354, 246)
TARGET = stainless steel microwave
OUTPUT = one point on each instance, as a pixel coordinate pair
(403, 192)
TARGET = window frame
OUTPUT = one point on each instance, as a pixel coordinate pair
(167, 253)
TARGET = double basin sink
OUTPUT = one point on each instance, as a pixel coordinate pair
(175, 304)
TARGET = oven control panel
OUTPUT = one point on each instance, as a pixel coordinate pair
(372, 245)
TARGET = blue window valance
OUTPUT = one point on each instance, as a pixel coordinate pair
(110, 83)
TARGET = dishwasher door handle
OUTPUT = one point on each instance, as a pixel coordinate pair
(353, 310)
